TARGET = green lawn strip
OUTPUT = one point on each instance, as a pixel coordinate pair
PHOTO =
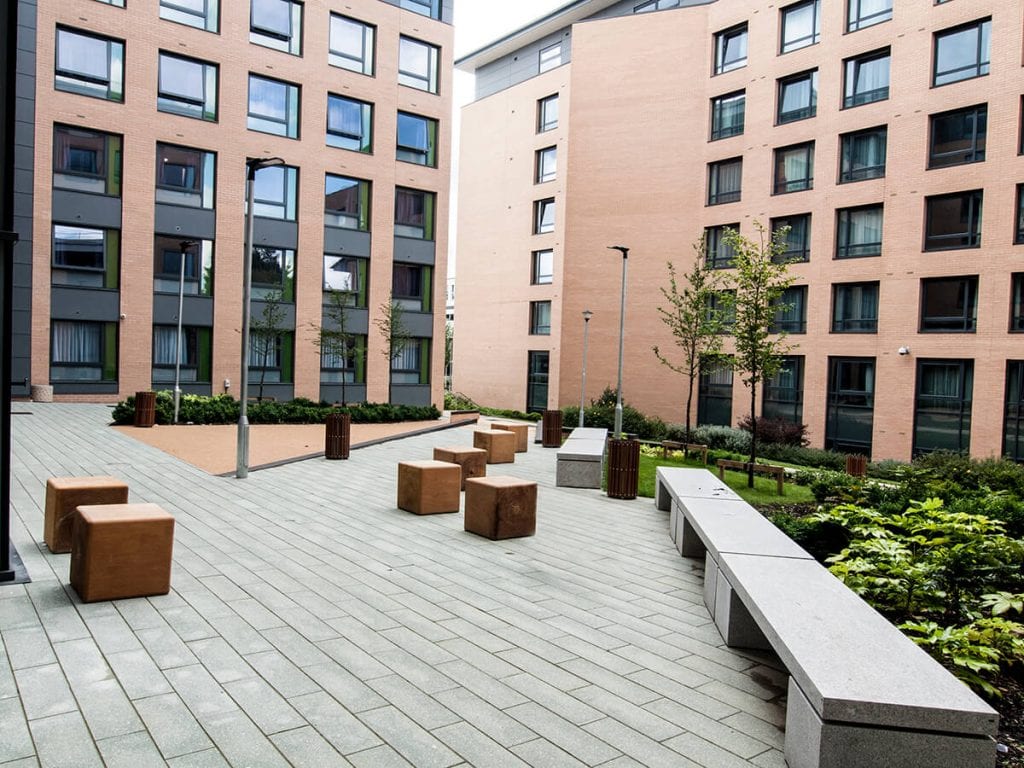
(763, 492)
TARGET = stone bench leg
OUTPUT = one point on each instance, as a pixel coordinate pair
(735, 624)
(662, 498)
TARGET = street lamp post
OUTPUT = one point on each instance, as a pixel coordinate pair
(252, 164)
(185, 245)
(622, 328)
(587, 314)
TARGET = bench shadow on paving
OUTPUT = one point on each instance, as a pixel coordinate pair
(311, 622)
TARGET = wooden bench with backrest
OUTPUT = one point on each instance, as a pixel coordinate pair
(779, 473)
(688, 448)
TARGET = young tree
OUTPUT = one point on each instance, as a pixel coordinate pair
(449, 354)
(759, 279)
(696, 324)
(334, 338)
(390, 322)
(265, 334)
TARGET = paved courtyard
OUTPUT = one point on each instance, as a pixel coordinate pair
(312, 623)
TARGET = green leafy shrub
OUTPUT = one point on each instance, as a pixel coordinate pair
(723, 438)
(819, 537)
(776, 431)
(803, 456)
(601, 413)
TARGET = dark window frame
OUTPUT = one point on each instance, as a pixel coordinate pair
(803, 112)
(718, 130)
(186, 105)
(86, 84)
(205, 158)
(336, 57)
(794, 255)
(807, 40)
(107, 161)
(410, 153)
(849, 173)
(981, 66)
(964, 403)
(544, 124)
(855, 21)
(1013, 415)
(1017, 302)
(852, 97)
(782, 185)
(715, 169)
(777, 398)
(339, 138)
(840, 400)
(973, 154)
(844, 230)
(716, 256)
(861, 324)
(291, 123)
(268, 37)
(537, 326)
(363, 195)
(540, 207)
(795, 299)
(102, 364)
(722, 40)
(966, 321)
(431, 81)
(537, 276)
(970, 237)
(543, 176)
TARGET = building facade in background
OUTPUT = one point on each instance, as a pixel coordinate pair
(886, 136)
(136, 121)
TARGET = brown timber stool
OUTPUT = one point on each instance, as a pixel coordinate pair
(499, 444)
(473, 461)
(429, 487)
(501, 507)
(64, 494)
(521, 431)
(121, 550)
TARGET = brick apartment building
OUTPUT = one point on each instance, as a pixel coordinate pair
(885, 133)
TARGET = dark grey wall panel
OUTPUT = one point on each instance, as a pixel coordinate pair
(519, 66)
(186, 387)
(24, 179)
(85, 388)
(413, 250)
(179, 220)
(354, 393)
(357, 321)
(85, 209)
(279, 392)
(197, 310)
(84, 304)
(419, 323)
(256, 314)
(347, 241)
(410, 394)
(283, 234)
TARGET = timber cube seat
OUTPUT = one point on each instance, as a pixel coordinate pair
(64, 494)
(429, 487)
(521, 431)
(121, 550)
(501, 507)
(499, 444)
(473, 461)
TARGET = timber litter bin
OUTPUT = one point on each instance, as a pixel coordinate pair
(551, 428)
(145, 409)
(857, 465)
(623, 468)
(339, 436)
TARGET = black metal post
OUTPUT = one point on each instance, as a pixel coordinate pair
(7, 240)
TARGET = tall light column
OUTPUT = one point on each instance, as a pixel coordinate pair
(622, 329)
(185, 245)
(587, 314)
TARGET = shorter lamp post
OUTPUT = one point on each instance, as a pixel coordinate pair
(622, 329)
(587, 314)
(185, 245)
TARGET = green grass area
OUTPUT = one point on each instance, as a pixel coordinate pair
(763, 492)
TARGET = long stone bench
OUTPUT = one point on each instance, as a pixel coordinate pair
(580, 460)
(861, 694)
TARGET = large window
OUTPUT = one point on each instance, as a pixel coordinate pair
(963, 52)
(83, 351)
(801, 25)
(86, 161)
(1017, 303)
(798, 237)
(714, 394)
(655, 5)
(346, 203)
(549, 57)
(791, 311)
(731, 49)
(866, 78)
(167, 273)
(542, 270)
(544, 216)
(271, 358)
(942, 410)
(862, 154)
(431, 8)
(794, 168)
(273, 273)
(537, 381)
(193, 350)
(352, 44)
(547, 114)
(273, 107)
(350, 124)
(1013, 425)
(187, 87)
(721, 307)
(865, 13)
(953, 221)
(346, 275)
(414, 213)
(344, 362)
(276, 24)
(724, 181)
(798, 97)
(546, 164)
(540, 318)
(784, 392)
(949, 304)
(855, 308)
(412, 363)
(275, 192)
(417, 139)
(717, 253)
(859, 232)
(184, 176)
(89, 64)
(85, 256)
(412, 286)
(201, 14)
(728, 114)
(417, 64)
(849, 415)
(958, 137)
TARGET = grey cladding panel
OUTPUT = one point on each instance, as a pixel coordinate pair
(279, 392)
(420, 324)
(84, 304)
(410, 394)
(86, 210)
(282, 234)
(196, 310)
(287, 311)
(356, 320)
(181, 221)
(24, 164)
(346, 241)
(354, 393)
(519, 66)
(414, 251)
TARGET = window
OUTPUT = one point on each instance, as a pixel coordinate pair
(794, 168)
(718, 254)
(167, 253)
(352, 44)
(549, 57)
(942, 411)
(963, 52)
(417, 139)
(276, 24)
(344, 361)
(184, 176)
(791, 311)
(89, 65)
(417, 64)
(784, 392)
(866, 78)
(193, 351)
(859, 232)
(865, 13)
(731, 49)
(414, 213)
(655, 5)
(849, 413)
(801, 25)
(543, 267)
(721, 307)
(540, 318)
(855, 308)
(346, 203)
(431, 8)
(82, 351)
(727, 115)
(412, 286)
(275, 192)
(724, 179)
(86, 161)
(1013, 424)
(118, 3)
(798, 97)
(201, 14)
(271, 357)
(273, 107)
(714, 394)
(273, 273)
(798, 237)
(1018, 236)
(412, 364)
(1017, 303)
(958, 137)
(949, 305)
(346, 275)
(350, 124)
(544, 216)
(953, 221)
(85, 256)
(538, 365)
(547, 164)
(862, 155)
(547, 114)
(187, 87)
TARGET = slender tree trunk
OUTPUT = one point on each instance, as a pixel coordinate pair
(753, 436)
(689, 405)
(263, 374)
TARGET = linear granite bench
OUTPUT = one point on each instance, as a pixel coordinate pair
(861, 694)
(580, 460)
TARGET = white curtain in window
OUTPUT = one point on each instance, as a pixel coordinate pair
(83, 54)
(76, 342)
(872, 75)
(165, 341)
(729, 178)
(408, 359)
(866, 226)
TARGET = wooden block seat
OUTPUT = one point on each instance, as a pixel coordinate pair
(121, 550)
(521, 431)
(429, 487)
(501, 507)
(500, 445)
(64, 494)
(473, 461)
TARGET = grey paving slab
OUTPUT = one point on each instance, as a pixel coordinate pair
(476, 748)
(15, 740)
(44, 691)
(133, 750)
(172, 726)
(264, 705)
(63, 741)
(305, 748)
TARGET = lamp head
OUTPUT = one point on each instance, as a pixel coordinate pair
(587, 314)
(254, 164)
(621, 249)
(186, 244)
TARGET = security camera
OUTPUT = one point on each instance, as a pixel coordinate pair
(902, 351)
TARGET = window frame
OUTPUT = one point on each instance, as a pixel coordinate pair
(1013, 414)
(538, 372)
(537, 326)
(982, 66)
(429, 213)
(721, 48)
(285, 258)
(847, 144)
(422, 282)
(964, 400)
(353, 297)
(106, 276)
(718, 111)
(715, 168)
(336, 57)
(433, 7)
(840, 401)
(542, 104)
(772, 396)
(800, 255)
(172, 194)
(813, 39)
(803, 112)
(339, 138)
(537, 275)
(199, 266)
(843, 250)
(106, 178)
(270, 38)
(973, 154)
(287, 203)
(795, 300)
(169, 102)
(107, 364)
(540, 208)
(852, 97)
(208, 20)
(192, 342)
(408, 153)
(547, 59)
(967, 320)
(1017, 302)
(855, 24)
(972, 235)
(782, 185)
(429, 83)
(716, 256)
(712, 392)
(542, 174)
(84, 83)
(861, 324)
(291, 127)
(364, 194)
